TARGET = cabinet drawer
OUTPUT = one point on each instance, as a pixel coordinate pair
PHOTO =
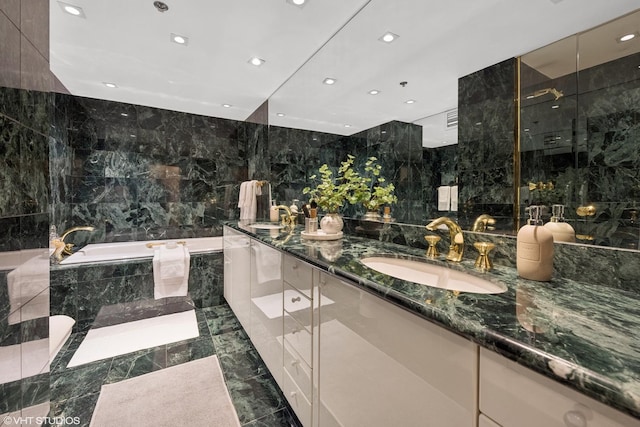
(298, 338)
(299, 371)
(514, 396)
(298, 306)
(296, 399)
(298, 274)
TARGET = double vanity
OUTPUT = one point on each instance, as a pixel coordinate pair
(351, 342)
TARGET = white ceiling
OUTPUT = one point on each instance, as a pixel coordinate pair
(128, 43)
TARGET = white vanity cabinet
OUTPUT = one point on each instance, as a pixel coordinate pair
(345, 357)
(237, 277)
(382, 366)
(266, 306)
(514, 396)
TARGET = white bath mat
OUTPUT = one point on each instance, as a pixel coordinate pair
(192, 394)
(109, 341)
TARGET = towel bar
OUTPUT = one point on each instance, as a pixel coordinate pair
(150, 245)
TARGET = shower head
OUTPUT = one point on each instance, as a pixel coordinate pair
(555, 92)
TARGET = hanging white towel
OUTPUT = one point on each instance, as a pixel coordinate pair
(444, 198)
(247, 200)
(28, 286)
(454, 198)
(242, 196)
(171, 271)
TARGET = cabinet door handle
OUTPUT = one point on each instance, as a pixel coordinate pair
(294, 267)
(575, 419)
(295, 299)
(294, 362)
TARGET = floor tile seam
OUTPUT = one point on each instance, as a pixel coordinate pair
(284, 409)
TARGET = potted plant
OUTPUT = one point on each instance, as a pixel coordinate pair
(332, 192)
(373, 191)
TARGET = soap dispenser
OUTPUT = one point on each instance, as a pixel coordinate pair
(534, 249)
(561, 231)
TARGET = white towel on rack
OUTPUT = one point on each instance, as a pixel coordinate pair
(444, 198)
(247, 200)
(453, 195)
(171, 271)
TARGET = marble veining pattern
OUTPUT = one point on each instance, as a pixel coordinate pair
(579, 333)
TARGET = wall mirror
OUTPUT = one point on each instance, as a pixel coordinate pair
(580, 131)
(578, 144)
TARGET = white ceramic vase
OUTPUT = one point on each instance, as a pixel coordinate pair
(331, 223)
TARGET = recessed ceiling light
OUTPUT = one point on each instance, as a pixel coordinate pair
(626, 37)
(280, 114)
(388, 37)
(526, 129)
(347, 126)
(256, 61)
(374, 92)
(72, 9)
(555, 106)
(110, 85)
(226, 105)
(478, 123)
(299, 3)
(410, 101)
(178, 39)
(329, 81)
(124, 114)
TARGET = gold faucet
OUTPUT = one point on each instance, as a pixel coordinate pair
(484, 222)
(68, 246)
(455, 234)
(289, 219)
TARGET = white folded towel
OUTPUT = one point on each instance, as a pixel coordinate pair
(28, 290)
(454, 198)
(171, 271)
(444, 198)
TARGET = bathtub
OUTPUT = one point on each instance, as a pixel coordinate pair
(130, 250)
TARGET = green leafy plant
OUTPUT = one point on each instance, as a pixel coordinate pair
(333, 191)
(371, 190)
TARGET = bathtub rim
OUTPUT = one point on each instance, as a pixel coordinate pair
(84, 259)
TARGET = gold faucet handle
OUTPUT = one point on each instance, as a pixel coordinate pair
(483, 262)
(432, 251)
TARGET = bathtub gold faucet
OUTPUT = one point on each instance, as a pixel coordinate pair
(456, 247)
(68, 246)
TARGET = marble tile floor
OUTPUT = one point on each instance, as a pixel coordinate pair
(254, 393)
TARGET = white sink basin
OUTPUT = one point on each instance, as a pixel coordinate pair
(432, 275)
(266, 225)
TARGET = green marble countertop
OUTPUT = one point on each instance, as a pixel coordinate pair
(584, 335)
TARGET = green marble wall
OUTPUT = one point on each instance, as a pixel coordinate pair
(142, 173)
(486, 126)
